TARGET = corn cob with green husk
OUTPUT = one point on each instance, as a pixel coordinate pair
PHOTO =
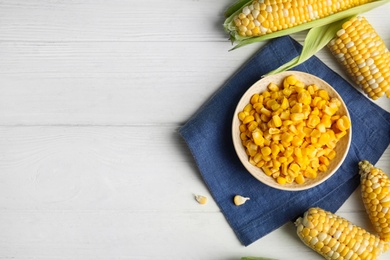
(375, 189)
(364, 55)
(250, 21)
(336, 238)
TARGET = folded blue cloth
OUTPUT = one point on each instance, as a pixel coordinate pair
(208, 136)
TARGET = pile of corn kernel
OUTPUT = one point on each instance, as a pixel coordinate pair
(290, 131)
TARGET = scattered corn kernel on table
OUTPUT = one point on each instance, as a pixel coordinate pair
(91, 164)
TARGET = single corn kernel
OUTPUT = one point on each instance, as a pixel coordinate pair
(277, 121)
(273, 87)
(255, 98)
(323, 94)
(201, 199)
(265, 151)
(297, 116)
(343, 123)
(248, 119)
(300, 179)
(240, 200)
(281, 180)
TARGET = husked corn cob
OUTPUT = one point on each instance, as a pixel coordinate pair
(375, 188)
(260, 17)
(336, 238)
(364, 55)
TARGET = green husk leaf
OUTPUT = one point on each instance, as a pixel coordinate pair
(236, 6)
(242, 41)
(316, 39)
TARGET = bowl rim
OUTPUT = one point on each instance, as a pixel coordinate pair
(238, 145)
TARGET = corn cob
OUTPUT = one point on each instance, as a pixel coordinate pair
(336, 238)
(364, 55)
(261, 17)
(375, 188)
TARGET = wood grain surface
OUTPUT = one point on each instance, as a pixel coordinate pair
(91, 164)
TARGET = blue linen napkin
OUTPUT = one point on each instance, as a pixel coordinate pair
(208, 136)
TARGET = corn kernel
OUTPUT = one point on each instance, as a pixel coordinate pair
(277, 121)
(201, 199)
(281, 180)
(343, 123)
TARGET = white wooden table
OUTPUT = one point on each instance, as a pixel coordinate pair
(91, 164)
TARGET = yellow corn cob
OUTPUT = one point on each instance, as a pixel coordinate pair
(375, 188)
(336, 238)
(364, 55)
(266, 16)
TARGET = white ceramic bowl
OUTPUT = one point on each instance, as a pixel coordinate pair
(341, 148)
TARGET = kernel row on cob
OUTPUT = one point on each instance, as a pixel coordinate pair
(363, 54)
(264, 16)
(249, 21)
(335, 237)
(375, 190)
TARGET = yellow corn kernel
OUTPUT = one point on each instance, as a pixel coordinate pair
(291, 80)
(312, 89)
(313, 120)
(242, 115)
(248, 119)
(282, 159)
(300, 179)
(343, 123)
(304, 97)
(294, 167)
(248, 107)
(275, 149)
(298, 152)
(284, 104)
(323, 94)
(326, 120)
(255, 98)
(321, 127)
(287, 137)
(266, 170)
(297, 141)
(252, 126)
(287, 92)
(265, 151)
(341, 134)
(257, 158)
(322, 168)
(331, 155)
(243, 128)
(273, 87)
(240, 200)
(315, 133)
(201, 199)
(324, 160)
(277, 121)
(243, 136)
(324, 139)
(297, 116)
(297, 108)
(258, 138)
(281, 180)
(266, 112)
(285, 115)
